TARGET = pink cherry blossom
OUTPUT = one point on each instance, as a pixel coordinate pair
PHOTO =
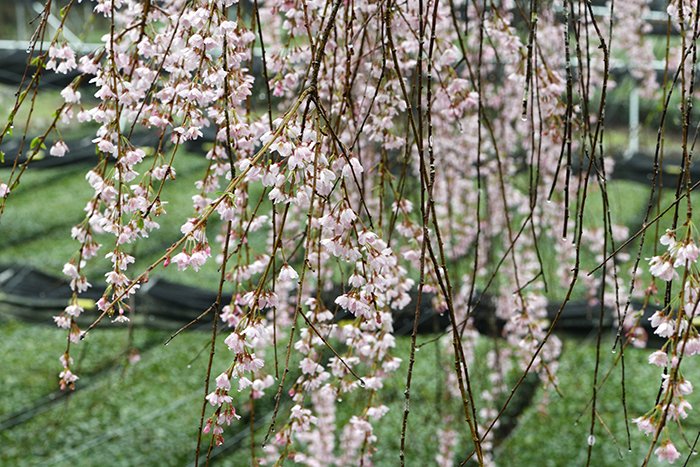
(667, 452)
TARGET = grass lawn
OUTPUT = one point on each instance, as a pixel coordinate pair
(147, 413)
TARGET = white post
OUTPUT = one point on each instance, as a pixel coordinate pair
(633, 143)
(21, 17)
(56, 23)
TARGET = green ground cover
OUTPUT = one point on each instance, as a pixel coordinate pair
(147, 413)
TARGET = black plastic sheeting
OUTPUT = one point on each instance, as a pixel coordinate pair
(36, 296)
(638, 168)
(14, 64)
(81, 150)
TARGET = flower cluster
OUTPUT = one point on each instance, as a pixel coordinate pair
(357, 152)
(225, 411)
(674, 324)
